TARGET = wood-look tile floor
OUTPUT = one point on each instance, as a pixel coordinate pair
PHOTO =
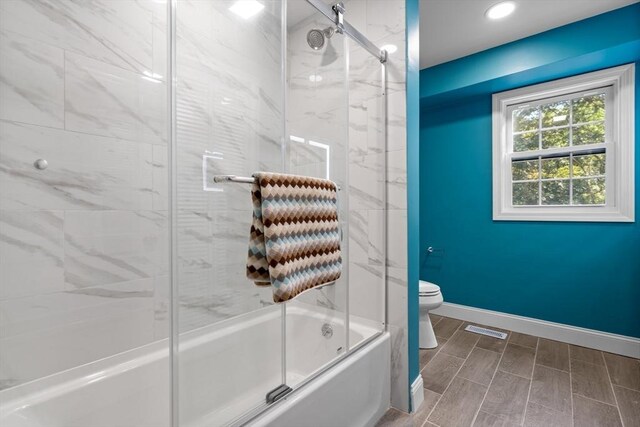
(475, 380)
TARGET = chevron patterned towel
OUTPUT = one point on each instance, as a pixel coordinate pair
(295, 236)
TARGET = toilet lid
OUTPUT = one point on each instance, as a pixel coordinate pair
(428, 288)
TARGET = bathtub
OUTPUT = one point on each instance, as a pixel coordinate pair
(224, 370)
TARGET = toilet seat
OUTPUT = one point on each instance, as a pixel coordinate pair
(428, 289)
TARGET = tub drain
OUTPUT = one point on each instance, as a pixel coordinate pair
(327, 330)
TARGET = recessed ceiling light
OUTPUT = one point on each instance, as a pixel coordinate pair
(315, 78)
(500, 10)
(390, 48)
(246, 8)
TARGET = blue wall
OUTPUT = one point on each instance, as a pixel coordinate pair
(581, 274)
(413, 188)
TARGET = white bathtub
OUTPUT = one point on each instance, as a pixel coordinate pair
(224, 370)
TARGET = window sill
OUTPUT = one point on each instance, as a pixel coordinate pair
(564, 215)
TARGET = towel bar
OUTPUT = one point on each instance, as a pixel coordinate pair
(324, 285)
(242, 179)
(234, 178)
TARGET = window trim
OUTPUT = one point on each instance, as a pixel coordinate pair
(620, 149)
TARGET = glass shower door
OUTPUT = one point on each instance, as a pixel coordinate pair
(267, 86)
(84, 286)
(371, 168)
(317, 131)
(229, 121)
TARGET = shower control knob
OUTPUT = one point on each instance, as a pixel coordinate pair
(41, 164)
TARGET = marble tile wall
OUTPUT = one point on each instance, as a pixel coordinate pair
(83, 244)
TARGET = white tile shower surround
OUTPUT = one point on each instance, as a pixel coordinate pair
(83, 244)
(33, 81)
(115, 160)
(135, 106)
(132, 388)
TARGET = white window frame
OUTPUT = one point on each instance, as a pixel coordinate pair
(619, 144)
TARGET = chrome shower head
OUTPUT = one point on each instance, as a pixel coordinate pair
(316, 38)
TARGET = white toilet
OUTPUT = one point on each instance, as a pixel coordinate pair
(430, 299)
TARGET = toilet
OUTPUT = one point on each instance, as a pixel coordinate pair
(430, 299)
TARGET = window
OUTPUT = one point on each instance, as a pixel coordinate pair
(563, 150)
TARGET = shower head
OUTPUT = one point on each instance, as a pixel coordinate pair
(316, 38)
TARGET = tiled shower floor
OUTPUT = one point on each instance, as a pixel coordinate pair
(474, 380)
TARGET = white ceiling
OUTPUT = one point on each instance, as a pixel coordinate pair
(451, 29)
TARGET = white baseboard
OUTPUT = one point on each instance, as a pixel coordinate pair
(612, 343)
(417, 393)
